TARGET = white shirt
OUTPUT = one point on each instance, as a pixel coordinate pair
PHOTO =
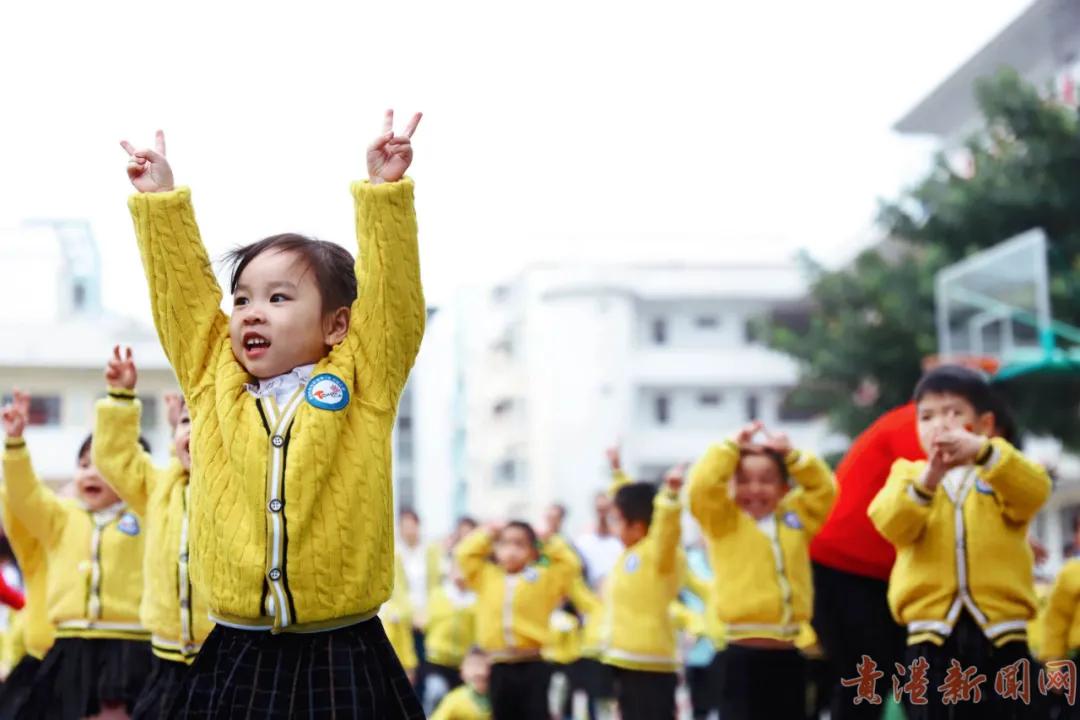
(282, 386)
(414, 560)
(600, 553)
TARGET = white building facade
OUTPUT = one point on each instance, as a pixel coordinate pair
(566, 361)
(55, 339)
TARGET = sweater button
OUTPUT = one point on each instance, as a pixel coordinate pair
(277, 441)
(274, 574)
(275, 505)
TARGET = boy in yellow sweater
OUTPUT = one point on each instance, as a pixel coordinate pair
(292, 398)
(758, 534)
(173, 609)
(93, 550)
(962, 582)
(637, 634)
(469, 701)
(515, 597)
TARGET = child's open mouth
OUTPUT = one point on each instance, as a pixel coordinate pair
(91, 491)
(255, 345)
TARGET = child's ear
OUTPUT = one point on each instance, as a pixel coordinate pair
(336, 326)
(985, 425)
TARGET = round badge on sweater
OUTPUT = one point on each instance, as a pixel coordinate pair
(791, 519)
(128, 524)
(327, 392)
(530, 574)
(632, 563)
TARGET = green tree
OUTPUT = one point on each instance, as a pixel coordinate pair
(873, 321)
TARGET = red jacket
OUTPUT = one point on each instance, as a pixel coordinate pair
(848, 541)
(10, 596)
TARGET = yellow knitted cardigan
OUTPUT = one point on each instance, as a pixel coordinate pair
(291, 507)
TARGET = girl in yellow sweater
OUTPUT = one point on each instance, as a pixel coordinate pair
(292, 399)
(93, 551)
(758, 534)
(515, 596)
(173, 609)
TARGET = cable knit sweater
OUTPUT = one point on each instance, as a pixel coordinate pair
(291, 507)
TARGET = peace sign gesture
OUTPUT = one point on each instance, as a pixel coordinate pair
(390, 155)
(148, 170)
(15, 416)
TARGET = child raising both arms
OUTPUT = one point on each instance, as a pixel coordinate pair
(292, 400)
(173, 609)
(758, 533)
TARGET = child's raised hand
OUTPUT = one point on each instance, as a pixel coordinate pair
(174, 408)
(614, 458)
(120, 372)
(16, 415)
(675, 477)
(959, 447)
(147, 169)
(390, 155)
(779, 443)
(744, 436)
(936, 467)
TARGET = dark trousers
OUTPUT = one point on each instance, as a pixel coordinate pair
(763, 684)
(645, 695)
(852, 619)
(519, 691)
(968, 645)
(705, 686)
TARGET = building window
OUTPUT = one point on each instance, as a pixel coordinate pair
(753, 407)
(750, 331)
(506, 472)
(659, 331)
(78, 295)
(707, 322)
(662, 409)
(710, 399)
(503, 407)
(148, 420)
(44, 409)
(404, 423)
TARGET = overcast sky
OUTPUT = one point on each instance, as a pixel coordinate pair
(559, 130)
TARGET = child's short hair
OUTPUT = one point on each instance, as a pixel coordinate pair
(958, 380)
(334, 267)
(635, 502)
(1004, 419)
(408, 512)
(777, 458)
(85, 447)
(475, 651)
(525, 528)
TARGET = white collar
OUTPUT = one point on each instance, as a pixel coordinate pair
(105, 516)
(283, 384)
(957, 482)
(767, 525)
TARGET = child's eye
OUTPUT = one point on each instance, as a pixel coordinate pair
(238, 301)
(278, 297)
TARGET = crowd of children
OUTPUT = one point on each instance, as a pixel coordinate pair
(255, 574)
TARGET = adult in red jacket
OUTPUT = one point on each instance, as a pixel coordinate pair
(852, 563)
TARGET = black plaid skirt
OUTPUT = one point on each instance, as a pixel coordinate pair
(348, 673)
(77, 677)
(16, 690)
(161, 690)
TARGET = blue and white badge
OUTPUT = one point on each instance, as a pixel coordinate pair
(633, 562)
(327, 392)
(128, 524)
(530, 575)
(791, 519)
(983, 487)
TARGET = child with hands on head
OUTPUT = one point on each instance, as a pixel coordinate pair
(173, 609)
(757, 529)
(93, 551)
(963, 580)
(515, 596)
(292, 399)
